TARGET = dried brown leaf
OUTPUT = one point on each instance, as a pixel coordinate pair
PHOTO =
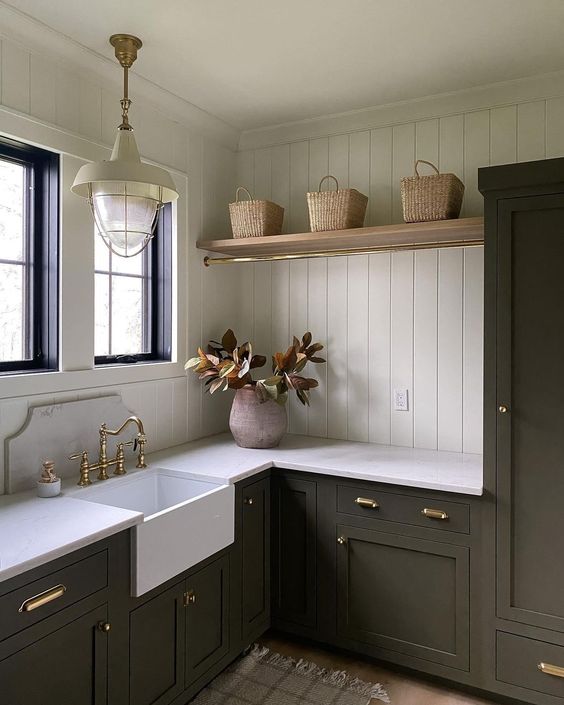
(258, 361)
(229, 341)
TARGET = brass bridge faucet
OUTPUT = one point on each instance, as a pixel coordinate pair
(119, 461)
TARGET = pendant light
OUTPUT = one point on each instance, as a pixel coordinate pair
(125, 195)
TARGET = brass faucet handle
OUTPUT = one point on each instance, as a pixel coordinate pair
(120, 458)
(140, 441)
(84, 480)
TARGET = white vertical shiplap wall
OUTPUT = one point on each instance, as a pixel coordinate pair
(405, 320)
(42, 88)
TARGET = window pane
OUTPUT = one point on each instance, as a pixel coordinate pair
(127, 315)
(101, 254)
(102, 315)
(12, 178)
(12, 327)
(129, 265)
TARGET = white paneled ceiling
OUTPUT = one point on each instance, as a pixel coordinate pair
(261, 62)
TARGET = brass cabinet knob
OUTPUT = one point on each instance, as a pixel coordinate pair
(104, 626)
(341, 540)
(503, 409)
(189, 598)
(248, 500)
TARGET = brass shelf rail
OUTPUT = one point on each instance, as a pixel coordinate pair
(400, 247)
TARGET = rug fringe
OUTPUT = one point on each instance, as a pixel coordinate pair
(338, 679)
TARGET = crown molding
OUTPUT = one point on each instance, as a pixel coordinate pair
(41, 39)
(520, 90)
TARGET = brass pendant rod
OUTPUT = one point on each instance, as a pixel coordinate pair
(209, 261)
(126, 47)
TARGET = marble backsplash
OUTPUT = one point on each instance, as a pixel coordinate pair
(56, 431)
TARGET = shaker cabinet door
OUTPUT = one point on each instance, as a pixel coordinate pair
(530, 418)
(403, 594)
(294, 535)
(207, 618)
(156, 649)
(70, 665)
(255, 560)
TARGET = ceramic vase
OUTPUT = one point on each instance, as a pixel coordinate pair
(256, 424)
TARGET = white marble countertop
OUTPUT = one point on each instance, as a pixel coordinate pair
(34, 531)
(218, 459)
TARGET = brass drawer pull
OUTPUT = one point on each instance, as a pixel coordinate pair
(248, 500)
(43, 598)
(435, 514)
(366, 503)
(551, 670)
(189, 598)
(104, 627)
(341, 540)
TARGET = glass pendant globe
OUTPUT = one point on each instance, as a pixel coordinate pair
(125, 214)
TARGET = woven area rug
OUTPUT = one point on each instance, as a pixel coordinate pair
(267, 678)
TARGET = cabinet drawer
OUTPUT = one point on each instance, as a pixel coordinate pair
(519, 659)
(43, 597)
(371, 503)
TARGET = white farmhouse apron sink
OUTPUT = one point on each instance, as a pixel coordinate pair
(185, 521)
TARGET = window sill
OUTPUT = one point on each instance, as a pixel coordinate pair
(113, 363)
(92, 381)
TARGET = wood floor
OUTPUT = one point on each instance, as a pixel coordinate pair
(402, 689)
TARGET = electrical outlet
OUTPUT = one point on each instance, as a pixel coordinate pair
(401, 400)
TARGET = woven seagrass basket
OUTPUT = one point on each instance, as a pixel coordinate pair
(434, 197)
(336, 210)
(255, 218)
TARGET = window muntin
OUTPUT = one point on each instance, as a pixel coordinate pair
(28, 257)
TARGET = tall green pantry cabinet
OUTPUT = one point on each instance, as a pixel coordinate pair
(524, 422)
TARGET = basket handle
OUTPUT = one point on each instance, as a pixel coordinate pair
(242, 188)
(422, 161)
(329, 176)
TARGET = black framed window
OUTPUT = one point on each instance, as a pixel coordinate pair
(29, 236)
(133, 309)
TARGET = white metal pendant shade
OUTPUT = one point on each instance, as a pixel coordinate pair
(125, 194)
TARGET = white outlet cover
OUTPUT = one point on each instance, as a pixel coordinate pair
(401, 400)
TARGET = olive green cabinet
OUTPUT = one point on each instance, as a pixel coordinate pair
(403, 594)
(530, 434)
(254, 528)
(57, 643)
(156, 648)
(294, 539)
(178, 635)
(66, 665)
(206, 599)
(524, 422)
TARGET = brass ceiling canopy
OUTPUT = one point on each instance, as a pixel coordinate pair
(126, 46)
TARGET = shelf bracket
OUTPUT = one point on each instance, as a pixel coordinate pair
(403, 247)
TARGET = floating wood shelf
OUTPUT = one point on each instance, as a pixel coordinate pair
(464, 232)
